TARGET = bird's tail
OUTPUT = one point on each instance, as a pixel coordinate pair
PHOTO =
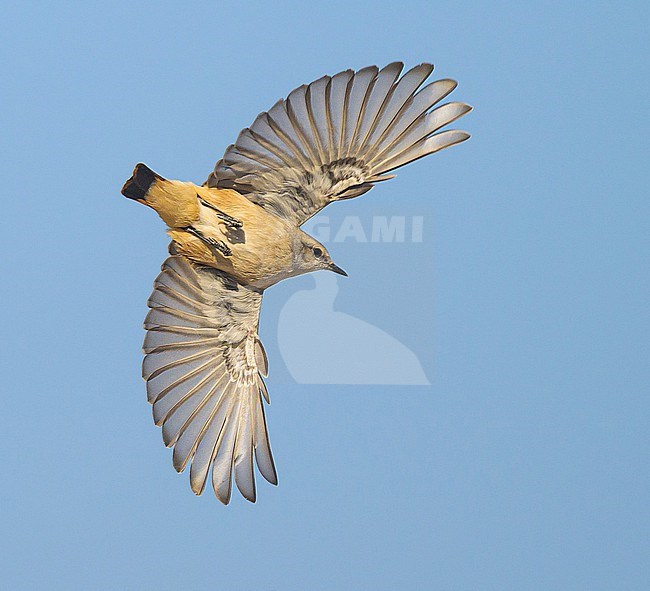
(140, 182)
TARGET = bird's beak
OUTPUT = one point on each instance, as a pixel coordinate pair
(337, 269)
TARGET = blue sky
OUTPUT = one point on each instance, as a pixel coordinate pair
(523, 466)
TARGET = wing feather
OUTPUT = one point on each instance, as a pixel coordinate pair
(317, 111)
(381, 93)
(428, 145)
(360, 90)
(194, 433)
(243, 457)
(224, 455)
(296, 105)
(203, 366)
(339, 96)
(403, 91)
(336, 137)
(279, 121)
(263, 455)
(413, 108)
(425, 125)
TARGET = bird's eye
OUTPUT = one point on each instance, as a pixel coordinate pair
(318, 253)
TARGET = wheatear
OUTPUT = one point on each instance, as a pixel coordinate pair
(239, 233)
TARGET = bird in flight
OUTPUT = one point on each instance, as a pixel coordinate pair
(239, 233)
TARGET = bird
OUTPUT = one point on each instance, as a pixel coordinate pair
(238, 234)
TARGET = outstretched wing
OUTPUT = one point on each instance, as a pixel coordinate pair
(203, 366)
(336, 137)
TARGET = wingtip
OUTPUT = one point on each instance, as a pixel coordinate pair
(197, 487)
(268, 471)
(223, 499)
(250, 496)
(426, 66)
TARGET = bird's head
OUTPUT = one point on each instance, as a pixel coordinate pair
(310, 255)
